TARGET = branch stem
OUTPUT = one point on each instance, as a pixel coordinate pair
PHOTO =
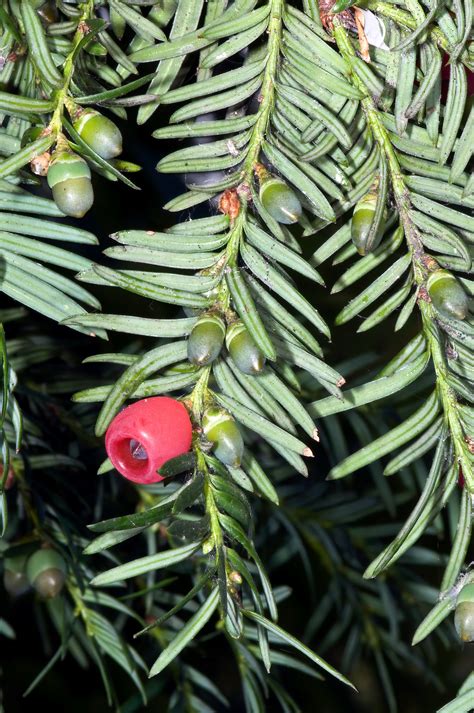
(267, 92)
(62, 98)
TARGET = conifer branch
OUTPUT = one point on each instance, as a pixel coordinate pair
(421, 261)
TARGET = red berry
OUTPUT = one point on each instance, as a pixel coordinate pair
(145, 435)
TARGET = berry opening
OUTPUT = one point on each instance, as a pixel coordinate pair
(131, 457)
(137, 450)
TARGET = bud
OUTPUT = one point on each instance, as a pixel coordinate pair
(46, 571)
(222, 431)
(99, 132)
(40, 164)
(14, 577)
(278, 199)
(361, 224)
(447, 295)
(206, 339)
(69, 177)
(464, 614)
(243, 350)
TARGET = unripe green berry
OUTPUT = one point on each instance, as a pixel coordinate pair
(279, 200)
(46, 572)
(48, 12)
(69, 178)
(14, 576)
(447, 295)
(66, 165)
(362, 219)
(464, 614)
(206, 339)
(222, 431)
(243, 350)
(100, 133)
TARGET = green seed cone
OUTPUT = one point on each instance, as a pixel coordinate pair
(362, 219)
(14, 576)
(66, 165)
(280, 200)
(243, 350)
(74, 196)
(16, 564)
(447, 295)
(466, 594)
(69, 177)
(48, 12)
(220, 429)
(100, 133)
(206, 340)
(464, 614)
(46, 572)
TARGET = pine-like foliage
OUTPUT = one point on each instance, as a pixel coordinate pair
(342, 107)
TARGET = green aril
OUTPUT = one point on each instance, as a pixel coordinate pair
(222, 431)
(99, 132)
(46, 571)
(69, 178)
(15, 580)
(361, 224)
(447, 294)
(464, 613)
(280, 200)
(48, 12)
(243, 350)
(206, 339)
